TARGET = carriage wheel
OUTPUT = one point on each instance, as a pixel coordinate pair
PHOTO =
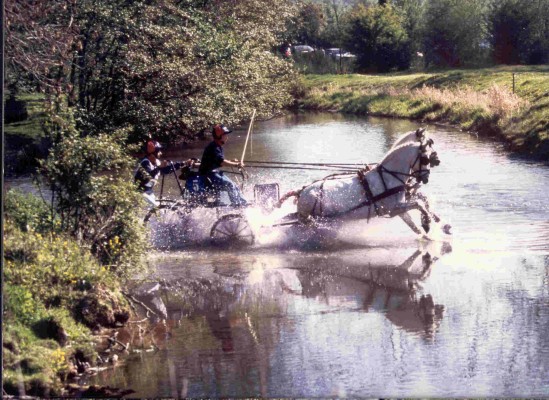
(232, 229)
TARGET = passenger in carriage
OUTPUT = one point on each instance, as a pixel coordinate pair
(151, 167)
(213, 159)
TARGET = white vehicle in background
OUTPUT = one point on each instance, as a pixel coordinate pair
(300, 49)
(337, 53)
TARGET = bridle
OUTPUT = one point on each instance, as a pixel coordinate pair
(420, 174)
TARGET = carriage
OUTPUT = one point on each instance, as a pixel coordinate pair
(231, 224)
(387, 189)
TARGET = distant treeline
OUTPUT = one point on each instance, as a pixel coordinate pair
(173, 68)
(398, 34)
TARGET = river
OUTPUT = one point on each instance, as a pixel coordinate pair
(369, 310)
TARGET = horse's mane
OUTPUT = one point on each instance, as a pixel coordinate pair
(410, 136)
(392, 153)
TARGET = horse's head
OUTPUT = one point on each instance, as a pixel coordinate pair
(427, 158)
(412, 156)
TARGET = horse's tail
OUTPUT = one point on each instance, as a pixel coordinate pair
(291, 193)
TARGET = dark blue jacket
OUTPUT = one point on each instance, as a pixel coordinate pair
(211, 159)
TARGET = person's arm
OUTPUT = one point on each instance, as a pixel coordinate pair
(167, 166)
(234, 163)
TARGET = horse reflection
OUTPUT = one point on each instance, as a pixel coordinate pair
(393, 289)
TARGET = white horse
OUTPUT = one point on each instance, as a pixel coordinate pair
(379, 191)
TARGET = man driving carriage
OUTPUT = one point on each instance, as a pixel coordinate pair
(151, 167)
(213, 158)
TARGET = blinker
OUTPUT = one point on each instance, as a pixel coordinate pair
(433, 159)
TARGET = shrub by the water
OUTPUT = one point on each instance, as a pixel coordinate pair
(59, 285)
(96, 199)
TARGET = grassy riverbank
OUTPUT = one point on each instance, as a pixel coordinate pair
(480, 100)
(55, 296)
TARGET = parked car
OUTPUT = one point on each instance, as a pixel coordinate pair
(336, 52)
(333, 51)
(303, 49)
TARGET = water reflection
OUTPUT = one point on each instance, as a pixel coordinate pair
(391, 289)
(224, 327)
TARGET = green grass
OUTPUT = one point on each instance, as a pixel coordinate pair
(52, 284)
(29, 129)
(482, 100)
(25, 140)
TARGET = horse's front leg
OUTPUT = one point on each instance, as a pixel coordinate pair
(408, 220)
(423, 198)
(446, 228)
(402, 212)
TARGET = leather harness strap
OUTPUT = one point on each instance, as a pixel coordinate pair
(368, 191)
(370, 198)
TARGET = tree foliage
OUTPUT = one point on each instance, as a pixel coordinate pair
(39, 36)
(166, 67)
(413, 14)
(308, 26)
(455, 33)
(377, 36)
(519, 31)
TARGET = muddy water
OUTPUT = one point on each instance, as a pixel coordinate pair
(364, 310)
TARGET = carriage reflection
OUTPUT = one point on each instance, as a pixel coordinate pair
(217, 329)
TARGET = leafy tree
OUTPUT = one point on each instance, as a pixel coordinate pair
(309, 24)
(455, 33)
(376, 35)
(334, 11)
(167, 67)
(413, 13)
(38, 42)
(519, 31)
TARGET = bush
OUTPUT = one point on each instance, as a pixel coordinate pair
(20, 304)
(51, 267)
(96, 197)
(377, 36)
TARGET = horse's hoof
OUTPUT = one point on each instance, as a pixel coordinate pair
(447, 229)
(446, 248)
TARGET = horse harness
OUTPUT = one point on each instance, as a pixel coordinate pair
(370, 198)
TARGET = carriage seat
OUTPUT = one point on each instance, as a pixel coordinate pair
(202, 190)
